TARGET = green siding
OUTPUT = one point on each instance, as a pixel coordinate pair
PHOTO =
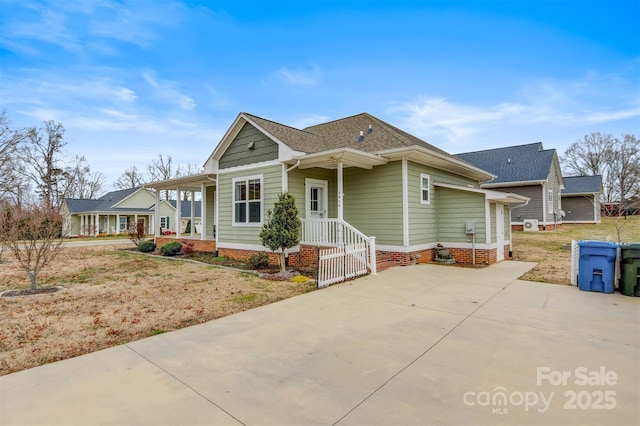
(210, 207)
(455, 208)
(297, 189)
(238, 154)
(373, 202)
(423, 218)
(245, 234)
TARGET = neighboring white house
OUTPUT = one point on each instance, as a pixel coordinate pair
(114, 212)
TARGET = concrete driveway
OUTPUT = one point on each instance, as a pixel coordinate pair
(418, 345)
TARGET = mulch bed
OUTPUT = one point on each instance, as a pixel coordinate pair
(31, 292)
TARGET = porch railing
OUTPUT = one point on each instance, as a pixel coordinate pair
(337, 233)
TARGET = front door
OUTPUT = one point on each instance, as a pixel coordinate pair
(500, 232)
(317, 198)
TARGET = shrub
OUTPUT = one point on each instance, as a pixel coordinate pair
(258, 261)
(171, 249)
(147, 246)
(187, 248)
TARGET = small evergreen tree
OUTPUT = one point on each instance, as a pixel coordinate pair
(282, 227)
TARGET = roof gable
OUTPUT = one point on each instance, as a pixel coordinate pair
(521, 163)
(107, 202)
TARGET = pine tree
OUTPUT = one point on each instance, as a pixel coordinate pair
(282, 227)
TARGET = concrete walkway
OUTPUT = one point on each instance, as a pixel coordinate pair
(417, 345)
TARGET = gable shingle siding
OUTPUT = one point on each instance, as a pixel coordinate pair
(239, 154)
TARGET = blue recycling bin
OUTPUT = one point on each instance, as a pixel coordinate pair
(596, 268)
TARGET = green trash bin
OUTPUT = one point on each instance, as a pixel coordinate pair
(630, 269)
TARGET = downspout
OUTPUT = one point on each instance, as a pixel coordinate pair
(285, 183)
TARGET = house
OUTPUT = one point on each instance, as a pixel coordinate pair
(528, 170)
(581, 199)
(113, 213)
(356, 180)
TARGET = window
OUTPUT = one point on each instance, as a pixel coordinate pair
(247, 200)
(164, 222)
(124, 221)
(425, 189)
(550, 200)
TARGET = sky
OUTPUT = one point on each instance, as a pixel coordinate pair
(132, 79)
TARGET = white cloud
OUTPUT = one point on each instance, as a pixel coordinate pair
(299, 77)
(593, 99)
(167, 90)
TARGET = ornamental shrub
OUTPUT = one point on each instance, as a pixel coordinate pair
(171, 249)
(147, 246)
(281, 230)
(258, 261)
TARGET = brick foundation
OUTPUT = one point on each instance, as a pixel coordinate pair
(208, 246)
(307, 257)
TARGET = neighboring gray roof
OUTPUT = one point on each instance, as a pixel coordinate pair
(521, 163)
(102, 204)
(344, 133)
(582, 184)
(185, 208)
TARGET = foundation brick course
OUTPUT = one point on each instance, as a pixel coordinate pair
(208, 246)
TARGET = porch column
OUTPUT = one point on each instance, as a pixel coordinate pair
(156, 215)
(340, 194)
(193, 212)
(135, 220)
(178, 212)
(203, 212)
(97, 228)
(340, 203)
(81, 232)
(117, 224)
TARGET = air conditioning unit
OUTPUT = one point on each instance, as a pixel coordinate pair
(531, 225)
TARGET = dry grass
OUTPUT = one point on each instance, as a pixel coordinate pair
(549, 248)
(114, 296)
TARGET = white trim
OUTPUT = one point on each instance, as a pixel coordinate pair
(500, 231)
(517, 183)
(405, 202)
(427, 246)
(248, 167)
(233, 200)
(487, 221)
(428, 188)
(285, 178)
(308, 182)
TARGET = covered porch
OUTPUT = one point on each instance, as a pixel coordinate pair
(93, 224)
(202, 186)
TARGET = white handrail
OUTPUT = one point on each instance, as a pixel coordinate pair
(336, 232)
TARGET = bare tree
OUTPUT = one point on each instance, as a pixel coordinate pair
(617, 161)
(40, 153)
(83, 184)
(131, 178)
(10, 182)
(162, 169)
(33, 235)
(135, 232)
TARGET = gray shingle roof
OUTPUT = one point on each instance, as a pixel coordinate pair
(104, 203)
(519, 163)
(582, 184)
(185, 208)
